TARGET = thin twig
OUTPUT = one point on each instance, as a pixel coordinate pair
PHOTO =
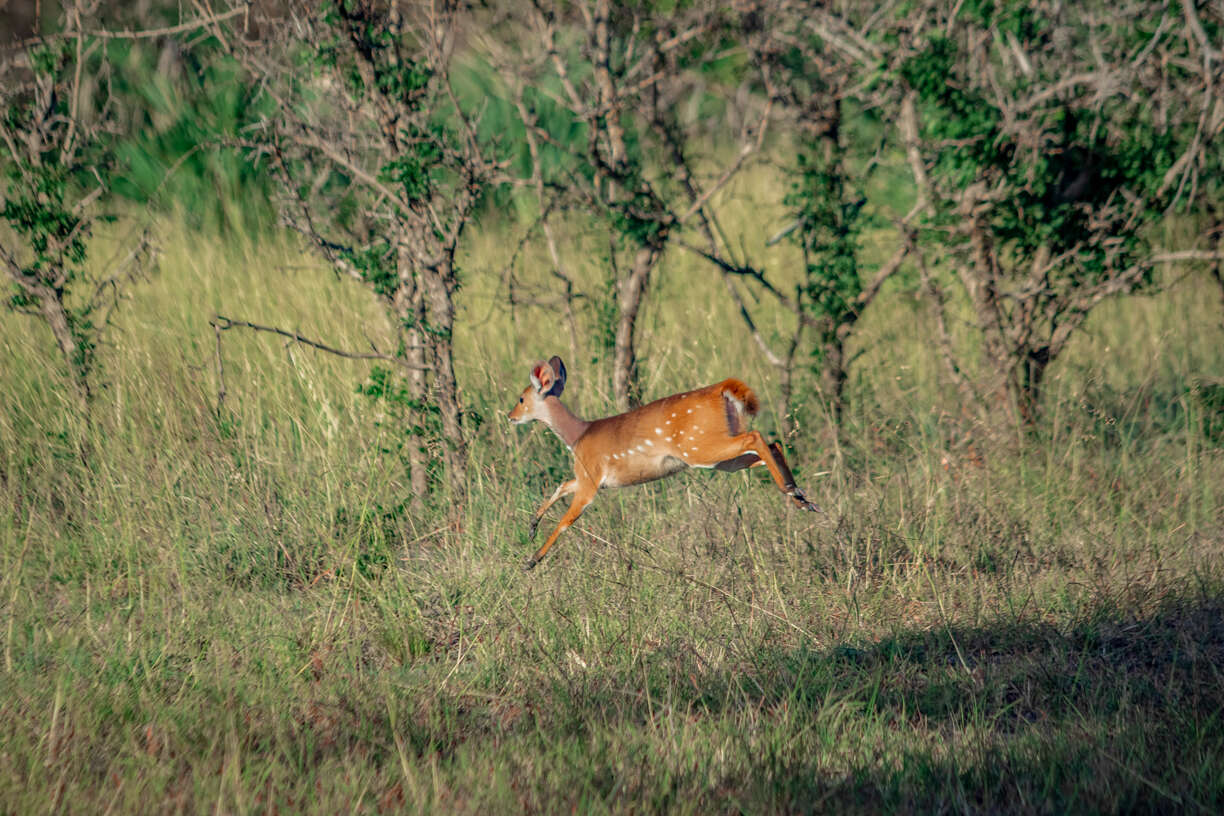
(143, 34)
(220, 364)
(221, 323)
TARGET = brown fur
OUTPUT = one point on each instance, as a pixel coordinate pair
(705, 428)
(742, 393)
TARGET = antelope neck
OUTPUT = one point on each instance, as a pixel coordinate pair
(563, 421)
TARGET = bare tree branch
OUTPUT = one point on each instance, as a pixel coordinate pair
(222, 323)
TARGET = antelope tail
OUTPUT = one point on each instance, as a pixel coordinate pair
(738, 400)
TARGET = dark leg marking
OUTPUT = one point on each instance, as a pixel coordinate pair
(740, 462)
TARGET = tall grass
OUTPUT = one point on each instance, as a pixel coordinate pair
(230, 610)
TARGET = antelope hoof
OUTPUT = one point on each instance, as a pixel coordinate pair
(802, 501)
(531, 531)
(530, 565)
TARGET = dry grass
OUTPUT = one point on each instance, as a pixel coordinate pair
(236, 615)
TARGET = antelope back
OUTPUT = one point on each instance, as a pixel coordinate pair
(667, 435)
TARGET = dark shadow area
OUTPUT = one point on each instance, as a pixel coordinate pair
(1119, 713)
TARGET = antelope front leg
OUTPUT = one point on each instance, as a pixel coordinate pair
(563, 489)
(581, 499)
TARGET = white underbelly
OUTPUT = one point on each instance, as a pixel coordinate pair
(639, 468)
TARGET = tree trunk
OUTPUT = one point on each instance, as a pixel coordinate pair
(1027, 388)
(625, 387)
(1006, 376)
(1217, 266)
(55, 315)
(410, 310)
(981, 284)
(439, 287)
(51, 304)
(833, 375)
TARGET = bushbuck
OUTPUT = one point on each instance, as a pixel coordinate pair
(706, 428)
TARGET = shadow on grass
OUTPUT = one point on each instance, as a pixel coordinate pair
(1119, 713)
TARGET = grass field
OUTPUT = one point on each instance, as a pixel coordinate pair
(236, 615)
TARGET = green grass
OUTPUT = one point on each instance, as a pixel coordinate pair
(232, 615)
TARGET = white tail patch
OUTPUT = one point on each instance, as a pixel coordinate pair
(734, 410)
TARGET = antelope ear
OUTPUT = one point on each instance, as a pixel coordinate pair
(558, 368)
(541, 377)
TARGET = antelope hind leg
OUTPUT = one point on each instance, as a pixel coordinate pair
(792, 489)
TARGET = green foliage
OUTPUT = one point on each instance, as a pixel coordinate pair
(37, 209)
(410, 423)
(829, 226)
(479, 87)
(377, 264)
(361, 36)
(185, 111)
(1055, 194)
(418, 165)
(46, 59)
(953, 113)
(830, 223)
(381, 68)
(641, 218)
(1016, 19)
(48, 184)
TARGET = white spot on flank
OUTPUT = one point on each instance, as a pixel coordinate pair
(659, 431)
(690, 410)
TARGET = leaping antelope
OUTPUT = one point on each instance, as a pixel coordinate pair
(706, 428)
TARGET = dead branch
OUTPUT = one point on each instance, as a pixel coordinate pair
(138, 34)
(221, 323)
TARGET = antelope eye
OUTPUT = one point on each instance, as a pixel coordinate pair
(520, 400)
